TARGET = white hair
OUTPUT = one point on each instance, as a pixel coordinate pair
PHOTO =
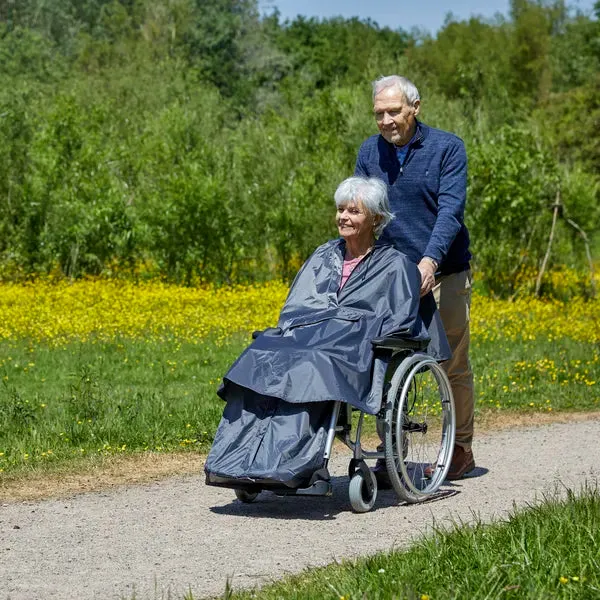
(405, 86)
(369, 191)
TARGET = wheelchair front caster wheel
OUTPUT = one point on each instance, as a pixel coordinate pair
(362, 493)
(245, 496)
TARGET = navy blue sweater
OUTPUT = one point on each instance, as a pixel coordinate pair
(427, 195)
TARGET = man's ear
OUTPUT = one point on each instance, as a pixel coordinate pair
(417, 107)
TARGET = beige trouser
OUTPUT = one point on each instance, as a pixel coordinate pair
(452, 294)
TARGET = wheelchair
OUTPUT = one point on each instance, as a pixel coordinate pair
(416, 423)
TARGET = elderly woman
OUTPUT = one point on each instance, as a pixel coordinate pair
(350, 291)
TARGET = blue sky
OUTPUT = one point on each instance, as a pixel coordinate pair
(427, 14)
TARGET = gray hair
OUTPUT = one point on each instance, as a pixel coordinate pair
(405, 86)
(372, 193)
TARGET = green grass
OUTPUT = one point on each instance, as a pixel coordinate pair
(551, 550)
(59, 404)
(536, 375)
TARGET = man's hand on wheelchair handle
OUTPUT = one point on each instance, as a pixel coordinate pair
(427, 268)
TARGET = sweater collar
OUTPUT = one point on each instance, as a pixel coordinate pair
(418, 137)
(420, 134)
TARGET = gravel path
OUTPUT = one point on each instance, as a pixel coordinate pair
(163, 539)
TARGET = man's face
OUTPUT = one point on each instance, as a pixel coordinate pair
(396, 119)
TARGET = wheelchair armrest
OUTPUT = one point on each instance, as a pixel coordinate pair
(396, 342)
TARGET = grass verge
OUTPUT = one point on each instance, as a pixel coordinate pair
(61, 404)
(550, 550)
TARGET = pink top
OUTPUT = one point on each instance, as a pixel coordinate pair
(347, 268)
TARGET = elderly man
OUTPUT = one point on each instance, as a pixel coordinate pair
(426, 173)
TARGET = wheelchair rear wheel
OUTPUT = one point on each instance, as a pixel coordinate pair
(419, 428)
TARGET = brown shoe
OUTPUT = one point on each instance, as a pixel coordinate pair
(462, 463)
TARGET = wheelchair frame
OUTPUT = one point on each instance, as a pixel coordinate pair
(416, 467)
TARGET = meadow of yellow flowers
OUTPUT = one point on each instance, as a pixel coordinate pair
(57, 313)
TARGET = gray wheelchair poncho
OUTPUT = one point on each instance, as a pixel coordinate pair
(279, 392)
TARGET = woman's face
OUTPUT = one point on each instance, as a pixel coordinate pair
(354, 222)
